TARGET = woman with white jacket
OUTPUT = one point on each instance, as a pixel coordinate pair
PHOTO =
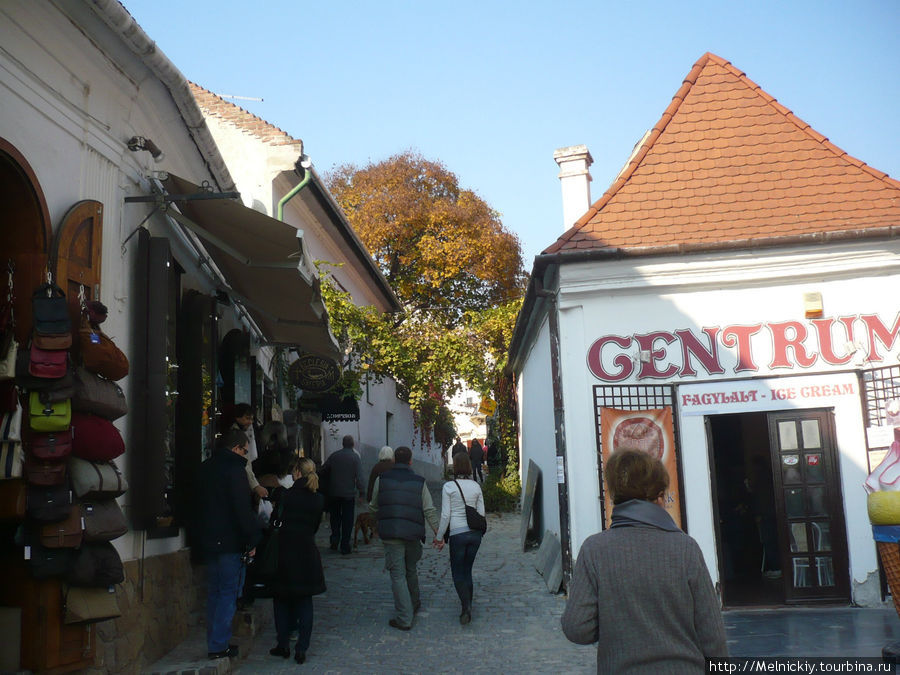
(464, 542)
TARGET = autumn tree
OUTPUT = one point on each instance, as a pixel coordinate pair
(440, 246)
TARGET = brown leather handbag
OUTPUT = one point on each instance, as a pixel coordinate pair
(100, 354)
(103, 520)
(68, 533)
(44, 472)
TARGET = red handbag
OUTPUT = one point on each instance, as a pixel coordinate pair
(95, 439)
(48, 363)
(51, 446)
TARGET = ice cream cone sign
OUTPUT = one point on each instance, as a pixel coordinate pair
(883, 486)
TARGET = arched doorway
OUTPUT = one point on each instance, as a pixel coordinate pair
(25, 233)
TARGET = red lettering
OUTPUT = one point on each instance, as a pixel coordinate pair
(781, 343)
(848, 389)
(826, 346)
(878, 330)
(648, 368)
(623, 361)
(707, 356)
(739, 336)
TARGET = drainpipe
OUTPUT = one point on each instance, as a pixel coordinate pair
(307, 176)
(565, 537)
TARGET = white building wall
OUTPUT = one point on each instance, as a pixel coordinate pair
(537, 436)
(625, 298)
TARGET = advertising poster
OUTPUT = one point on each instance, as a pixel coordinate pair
(649, 431)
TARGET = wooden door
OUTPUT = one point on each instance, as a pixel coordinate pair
(76, 254)
(809, 506)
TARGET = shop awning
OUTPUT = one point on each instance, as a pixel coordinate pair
(263, 263)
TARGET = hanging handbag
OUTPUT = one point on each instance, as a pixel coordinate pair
(9, 349)
(68, 533)
(51, 446)
(48, 504)
(474, 520)
(96, 480)
(96, 564)
(93, 394)
(103, 520)
(266, 563)
(50, 310)
(44, 472)
(51, 342)
(45, 563)
(89, 605)
(100, 354)
(95, 438)
(12, 500)
(12, 459)
(47, 363)
(11, 425)
(48, 417)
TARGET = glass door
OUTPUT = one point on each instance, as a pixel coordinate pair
(809, 506)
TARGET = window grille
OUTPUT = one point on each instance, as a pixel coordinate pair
(879, 385)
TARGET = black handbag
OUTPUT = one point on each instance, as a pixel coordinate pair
(48, 504)
(50, 310)
(45, 563)
(474, 520)
(266, 563)
(96, 564)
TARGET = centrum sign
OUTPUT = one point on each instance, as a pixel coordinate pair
(742, 348)
(314, 373)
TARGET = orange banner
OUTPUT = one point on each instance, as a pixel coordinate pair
(649, 431)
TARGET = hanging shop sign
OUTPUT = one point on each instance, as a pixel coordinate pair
(649, 431)
(314, 373)
(488, 407)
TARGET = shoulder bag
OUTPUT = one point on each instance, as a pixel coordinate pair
(45, 385)
(44, 472)
(89, 605)
(267, 559)
(47, 363)
(51, 446)
(94, 394)
(50, 310)
(95, 439)
(96, 564)
(49, 416)
(96, 480)
(45, 563)
(474, 520)
(68, 533)
(103, 520)
(48, 504)
(12, 459)
(100, 354)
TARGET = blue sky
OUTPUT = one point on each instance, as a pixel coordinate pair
(492, 88)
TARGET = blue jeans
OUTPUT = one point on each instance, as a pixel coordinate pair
(342, 513)
(463, 547)
(225, 576)
(400, 558)
(291, 613)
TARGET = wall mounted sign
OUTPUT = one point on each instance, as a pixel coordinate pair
(314, 373)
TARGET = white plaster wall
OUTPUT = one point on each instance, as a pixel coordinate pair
(69, 108)
(537, 437)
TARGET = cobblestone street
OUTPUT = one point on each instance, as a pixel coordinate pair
(515, 620)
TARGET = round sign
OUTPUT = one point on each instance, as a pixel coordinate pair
(314, 373)
(639, 433)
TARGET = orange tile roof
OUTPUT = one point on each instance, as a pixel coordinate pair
(727, 162)
(214, 105)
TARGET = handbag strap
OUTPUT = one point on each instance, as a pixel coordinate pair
(460, 493)
(278, 521)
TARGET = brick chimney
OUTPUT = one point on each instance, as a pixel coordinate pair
(575, 179)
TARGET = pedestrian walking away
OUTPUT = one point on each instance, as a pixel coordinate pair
(476, 454)
(385, 462)
(464, 541)
(300, 575)
(227, 528)
(402, 504)
(344, 477)
(645, 617)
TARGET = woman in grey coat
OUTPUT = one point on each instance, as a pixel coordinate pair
(640, 589)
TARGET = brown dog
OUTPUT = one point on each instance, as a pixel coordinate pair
(365, 523)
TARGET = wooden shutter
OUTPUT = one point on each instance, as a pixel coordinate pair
(76, 254)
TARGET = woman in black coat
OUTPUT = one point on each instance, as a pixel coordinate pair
(300, 574)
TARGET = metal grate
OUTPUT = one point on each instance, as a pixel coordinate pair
(627, 397)
(879, 385)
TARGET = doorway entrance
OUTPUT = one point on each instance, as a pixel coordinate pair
(781, 536)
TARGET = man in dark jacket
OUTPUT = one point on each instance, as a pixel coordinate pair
(343, 472)
(402, 503)
(476, 455)
(227, 528)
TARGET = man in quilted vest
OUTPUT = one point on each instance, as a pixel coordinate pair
(402, 504)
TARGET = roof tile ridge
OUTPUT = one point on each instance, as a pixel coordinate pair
(288, 139)
(806, 128)
(688, 82)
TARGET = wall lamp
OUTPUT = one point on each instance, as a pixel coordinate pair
(137, 143)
